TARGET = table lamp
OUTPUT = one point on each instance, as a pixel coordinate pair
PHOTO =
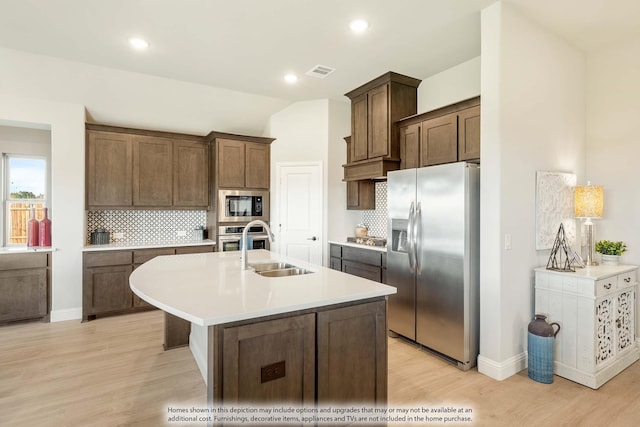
(589, 204)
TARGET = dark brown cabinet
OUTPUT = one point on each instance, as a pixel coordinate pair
(352, 357)
(375, 107)
(109, 169)
(105, 278)
(258, 165)
(469, 134)
(270, 361)
(108, 289)
(190, 174)
(359, 128)
(362, 262)
(133, 168)
(439, 140)
(410, 146)
(446, 135)
(325, 355)
(242, 164)
(361, 195)
(152, 158)
(230, 166)
(24, 287)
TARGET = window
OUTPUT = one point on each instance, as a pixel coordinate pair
(25, 184)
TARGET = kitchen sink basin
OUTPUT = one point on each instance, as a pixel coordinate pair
(277, 269)
(283, 272)
(267, 266)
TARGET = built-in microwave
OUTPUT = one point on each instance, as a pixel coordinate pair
(243, 205)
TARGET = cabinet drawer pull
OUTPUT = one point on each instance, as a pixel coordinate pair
(607, 286)
(627, 279)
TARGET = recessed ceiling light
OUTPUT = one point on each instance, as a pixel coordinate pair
(138, 43)
(358, 26)
(290, 78)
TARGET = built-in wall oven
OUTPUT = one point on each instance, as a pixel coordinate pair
(243, 205)
(229, 237)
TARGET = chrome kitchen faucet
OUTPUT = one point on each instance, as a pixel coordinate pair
(243, 257)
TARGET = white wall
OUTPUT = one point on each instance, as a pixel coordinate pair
(66, 122)
(135, 100)
(613, 146)
(533, 118)
(613, 149)
(341, 221)
(450, 86)
(313, 131)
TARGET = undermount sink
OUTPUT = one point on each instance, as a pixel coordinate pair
(277, 269)
(266, 266)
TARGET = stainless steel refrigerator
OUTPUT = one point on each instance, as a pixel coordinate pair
(433, 244)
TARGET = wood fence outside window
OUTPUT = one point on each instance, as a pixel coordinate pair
(19, 215)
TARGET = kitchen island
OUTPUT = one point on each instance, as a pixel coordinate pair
(314, 337)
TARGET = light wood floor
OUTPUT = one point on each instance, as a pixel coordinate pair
(113, 372)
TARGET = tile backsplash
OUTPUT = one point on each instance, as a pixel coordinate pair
(376, 220)
(146, 225)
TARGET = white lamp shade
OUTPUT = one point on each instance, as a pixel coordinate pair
(589, 201)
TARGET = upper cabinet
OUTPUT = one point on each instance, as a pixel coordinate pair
(152, 158)
(190, 173)
(469, 133)
(131, 168)
(242, 162)
(446, 135)
(109, 169)
(375, 106)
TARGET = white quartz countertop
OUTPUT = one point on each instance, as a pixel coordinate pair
(358, 245)
(210, 288)
(25, 249)
(596, 272)
(147, 245)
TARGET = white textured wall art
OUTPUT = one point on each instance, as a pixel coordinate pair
(554, 204)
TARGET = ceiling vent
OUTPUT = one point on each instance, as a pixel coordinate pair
(320, 71)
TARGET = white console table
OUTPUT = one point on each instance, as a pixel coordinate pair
(596, 310)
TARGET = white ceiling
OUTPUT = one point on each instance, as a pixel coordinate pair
(248, 45)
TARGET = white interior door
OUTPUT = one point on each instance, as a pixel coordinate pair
(299, 207)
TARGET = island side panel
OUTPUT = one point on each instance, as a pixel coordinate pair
(352, 354)
(176, 331)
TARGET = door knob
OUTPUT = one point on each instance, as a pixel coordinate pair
(314, 238)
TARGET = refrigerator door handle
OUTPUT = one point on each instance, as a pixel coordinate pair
(417, 236)
(410, 241)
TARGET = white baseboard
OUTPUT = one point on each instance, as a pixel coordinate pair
(502, 370)
(68, 314)
(200, 355)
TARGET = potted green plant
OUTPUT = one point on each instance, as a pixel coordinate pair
(610, 251)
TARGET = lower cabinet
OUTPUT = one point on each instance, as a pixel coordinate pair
(24, 286)
(324, 355)
(270, 361)
(109, 289)
(352, 354)
(362, 262)
(105, 279)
